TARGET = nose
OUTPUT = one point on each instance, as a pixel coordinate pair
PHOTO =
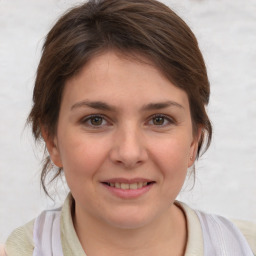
(129, 148)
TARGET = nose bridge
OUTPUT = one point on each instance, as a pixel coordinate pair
(129, 146)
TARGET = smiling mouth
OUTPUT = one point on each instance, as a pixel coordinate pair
(127, 186)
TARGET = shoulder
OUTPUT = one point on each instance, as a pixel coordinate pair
(218, 234)
(248, 229)
(221, 233)
(20, 242)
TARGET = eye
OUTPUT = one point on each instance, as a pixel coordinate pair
(95, 121)
(161, 120)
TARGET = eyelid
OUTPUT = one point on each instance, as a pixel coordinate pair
(170, 119)
(85, 119)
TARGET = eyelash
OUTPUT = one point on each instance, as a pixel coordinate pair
(170, 120)
(89, 118)
(85, 120)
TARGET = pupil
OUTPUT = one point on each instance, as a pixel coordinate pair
(96, 120)
(158, 120)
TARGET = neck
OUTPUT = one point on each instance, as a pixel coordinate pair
(167, 235)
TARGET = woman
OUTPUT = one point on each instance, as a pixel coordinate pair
(119, 101)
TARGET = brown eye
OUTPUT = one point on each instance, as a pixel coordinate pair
(94, 121)
(159, 120)
(97, 120)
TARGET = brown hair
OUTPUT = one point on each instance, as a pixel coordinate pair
(147, 27)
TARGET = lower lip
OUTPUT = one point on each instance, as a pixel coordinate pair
(128, 193)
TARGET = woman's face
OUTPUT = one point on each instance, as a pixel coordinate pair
(125, 141)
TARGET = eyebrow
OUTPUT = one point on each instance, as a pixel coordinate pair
(104, 106)
(161, 105)
(94, 104)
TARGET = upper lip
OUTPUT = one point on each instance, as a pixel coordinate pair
(126, 181)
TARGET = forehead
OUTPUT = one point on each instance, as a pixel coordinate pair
(112, 75)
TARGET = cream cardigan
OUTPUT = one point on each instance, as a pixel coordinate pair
(20, 242)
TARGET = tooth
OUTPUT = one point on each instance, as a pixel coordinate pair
(112, 184)
(140, 184)
(124, 186)
(144, 184)
(133, 186)
(117, 185)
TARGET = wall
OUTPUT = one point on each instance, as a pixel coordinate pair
(225, 175)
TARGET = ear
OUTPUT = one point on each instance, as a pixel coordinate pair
(52, 147)
(194, 147)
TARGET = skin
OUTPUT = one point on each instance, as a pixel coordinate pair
(134, 138)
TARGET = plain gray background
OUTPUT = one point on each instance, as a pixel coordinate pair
(225, 175)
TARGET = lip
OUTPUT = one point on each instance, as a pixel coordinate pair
(128, 193)
(127, 181)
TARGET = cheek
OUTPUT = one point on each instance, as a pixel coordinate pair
(172, 156)
(81, 157)
(172, 161)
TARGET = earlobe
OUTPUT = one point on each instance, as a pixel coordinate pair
(52, 147)
(194, 147)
